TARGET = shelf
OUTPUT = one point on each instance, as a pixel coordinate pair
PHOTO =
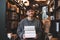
(12, 19)
(11, 10)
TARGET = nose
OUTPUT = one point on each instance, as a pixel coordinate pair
(32, 12)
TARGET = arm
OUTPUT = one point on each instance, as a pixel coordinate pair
(39, 27)
(39, 34)
(20, 29)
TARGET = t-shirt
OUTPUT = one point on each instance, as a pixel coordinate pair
(25, 22)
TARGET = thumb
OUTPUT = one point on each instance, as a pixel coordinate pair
(23, 36)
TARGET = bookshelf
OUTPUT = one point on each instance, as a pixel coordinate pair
(12, 17)
(55, 24)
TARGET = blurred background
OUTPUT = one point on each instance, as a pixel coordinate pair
(13, 11)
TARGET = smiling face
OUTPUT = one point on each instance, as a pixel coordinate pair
(30, 13)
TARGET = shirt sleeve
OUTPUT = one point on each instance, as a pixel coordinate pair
(20, 29)
(39, 26)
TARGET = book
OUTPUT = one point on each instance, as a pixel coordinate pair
(29, 32)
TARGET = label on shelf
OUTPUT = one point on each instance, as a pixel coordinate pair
(57, 26)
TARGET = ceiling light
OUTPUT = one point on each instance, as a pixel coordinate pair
(36, 4)
(37, 0)
(24, 0)
(51, 9)
(48, 2)
(33, 5)
(40, 0)
(26, 3)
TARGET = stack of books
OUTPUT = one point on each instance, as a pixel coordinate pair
(30, 32)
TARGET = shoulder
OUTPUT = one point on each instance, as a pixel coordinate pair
(22, 20)
(37, 20)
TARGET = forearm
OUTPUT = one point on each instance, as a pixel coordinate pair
(20, 33)
(20, 30)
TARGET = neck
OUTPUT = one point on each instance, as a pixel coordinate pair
(30, 18)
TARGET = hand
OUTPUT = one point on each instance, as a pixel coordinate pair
(50, 37)
(36, 36)
(23, 36)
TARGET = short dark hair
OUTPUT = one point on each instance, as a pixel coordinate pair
(29, 8)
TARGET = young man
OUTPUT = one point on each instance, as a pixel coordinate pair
(30, 20)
